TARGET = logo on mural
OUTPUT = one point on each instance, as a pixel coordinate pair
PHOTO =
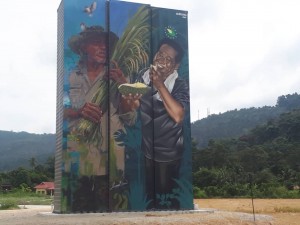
(170, 32)
(183, 15)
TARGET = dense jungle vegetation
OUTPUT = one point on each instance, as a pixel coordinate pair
(264, 162)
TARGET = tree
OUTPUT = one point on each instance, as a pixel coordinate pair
(290, 101)
(205, 177)
(254, 159)
(32, 163)
(19, 176)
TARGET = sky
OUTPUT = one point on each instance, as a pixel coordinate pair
(242, 54)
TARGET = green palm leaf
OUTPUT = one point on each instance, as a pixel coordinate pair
(131, 54)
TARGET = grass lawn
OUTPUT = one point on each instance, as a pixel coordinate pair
(11, 200)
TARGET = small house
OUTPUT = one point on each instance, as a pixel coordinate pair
(6, 187)
(45, 188)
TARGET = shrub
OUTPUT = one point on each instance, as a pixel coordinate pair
(235, 190)
(293, 194)
(198, 193)
(213, 191)
(8, 205)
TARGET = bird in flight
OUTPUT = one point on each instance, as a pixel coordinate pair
(90, 9)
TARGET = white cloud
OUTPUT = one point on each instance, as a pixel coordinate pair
(237, 60)
(28, 73)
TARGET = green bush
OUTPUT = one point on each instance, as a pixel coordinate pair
(235, 190)
(213, 191)
(269, 190)
(198, 193)
(265, 190)
(293, 194)
(8, 204)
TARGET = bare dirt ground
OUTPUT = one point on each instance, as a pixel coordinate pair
(219, 212)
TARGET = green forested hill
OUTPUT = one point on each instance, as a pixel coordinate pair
(236, 123)
(16, 149)
(268, 157)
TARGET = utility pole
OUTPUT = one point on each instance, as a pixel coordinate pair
(208, 112)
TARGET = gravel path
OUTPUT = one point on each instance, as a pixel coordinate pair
(41, 215)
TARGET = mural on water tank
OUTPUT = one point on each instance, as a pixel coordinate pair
(126, 132)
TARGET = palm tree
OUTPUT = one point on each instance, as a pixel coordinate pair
(32, 163)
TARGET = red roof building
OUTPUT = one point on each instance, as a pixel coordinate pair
(45, 188)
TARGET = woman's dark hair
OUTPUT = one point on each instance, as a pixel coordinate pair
(176, 46)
